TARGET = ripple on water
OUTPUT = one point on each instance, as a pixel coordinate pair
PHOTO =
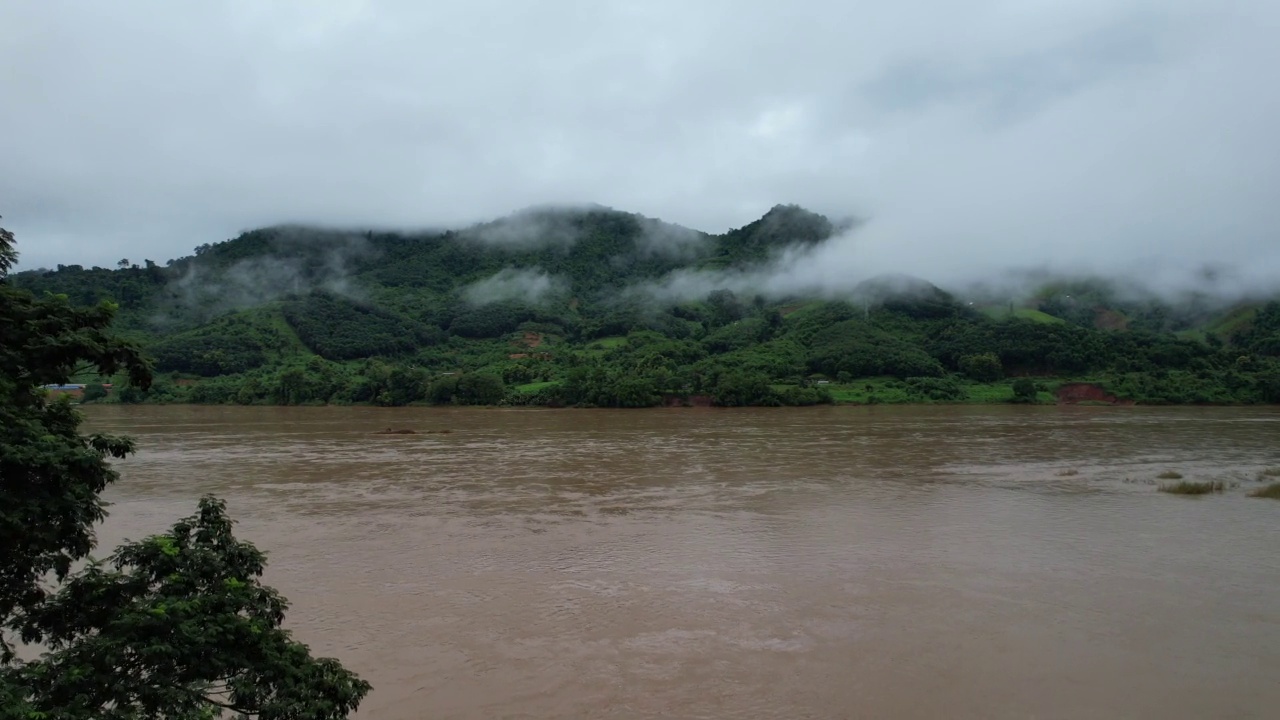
(826, 562)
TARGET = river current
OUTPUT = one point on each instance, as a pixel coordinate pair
(835, 562)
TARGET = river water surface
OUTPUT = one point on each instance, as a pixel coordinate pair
(947, 562)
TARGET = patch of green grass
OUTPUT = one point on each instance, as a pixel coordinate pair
(1234, 321)
(1271, 491)
(805, 309)
(1170, 475)
(1187, 487)
(535, 386)
(608, 343)
(1269, 472)
(1000, 391)
(1037, 316)
(873, 391)
(997, 392)
(1000, 312)
(891, 391)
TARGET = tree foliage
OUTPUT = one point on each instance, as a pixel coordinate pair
(338, 328)
(571, 301)
(178, 626)
(175, 626)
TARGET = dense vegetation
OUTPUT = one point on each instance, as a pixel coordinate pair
(595, 307)
(177, 625)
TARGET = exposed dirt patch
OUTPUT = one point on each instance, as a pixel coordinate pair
(1105, 319)
(1086, 392)
(529, 340)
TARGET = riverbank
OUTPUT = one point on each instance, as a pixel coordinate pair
(872, 393)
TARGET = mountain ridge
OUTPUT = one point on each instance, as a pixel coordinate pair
(585, 284)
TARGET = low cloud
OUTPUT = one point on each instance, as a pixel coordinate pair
(300, 260)
(1120, 136)
(561, 226)
(840, 268)
(545, 226)
(526, 285)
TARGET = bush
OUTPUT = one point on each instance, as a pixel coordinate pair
(741, 389)
(442, 389)
(931, 388)
(479, 389)
(1271, 491)
(93, 393)
(213, 392)
(1024, 391)
(983, 367)
(805, 396)
(467, 389)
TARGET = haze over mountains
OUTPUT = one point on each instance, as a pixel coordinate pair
(1128, 138)
(589, 305)
(555, 252)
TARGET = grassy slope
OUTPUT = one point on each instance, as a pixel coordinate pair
(1001, 312)
(1239, 318)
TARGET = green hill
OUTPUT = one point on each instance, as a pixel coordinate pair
(572, 306)
(1001, 312)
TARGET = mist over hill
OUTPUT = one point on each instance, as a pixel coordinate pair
(558, 299)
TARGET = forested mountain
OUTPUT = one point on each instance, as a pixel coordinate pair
(578, 306)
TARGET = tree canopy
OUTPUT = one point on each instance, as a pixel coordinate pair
(592, 306)
(174, 626)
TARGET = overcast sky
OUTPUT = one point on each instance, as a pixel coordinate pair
(973, 135)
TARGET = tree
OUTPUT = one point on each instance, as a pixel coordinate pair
(92, 392)
(725, 307)
(174, 626)
(744, 388)
(1024, 390)
(983, 367)
(479, 389)
(8, 253)
(178, 626)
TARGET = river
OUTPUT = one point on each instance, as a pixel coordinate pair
(846, 562)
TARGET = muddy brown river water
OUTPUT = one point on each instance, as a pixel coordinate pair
(884, 562)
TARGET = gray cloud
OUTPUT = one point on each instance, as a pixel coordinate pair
(208, 290)
(528, 285)
(1119, 135)
(532, 227)
(846, 266)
